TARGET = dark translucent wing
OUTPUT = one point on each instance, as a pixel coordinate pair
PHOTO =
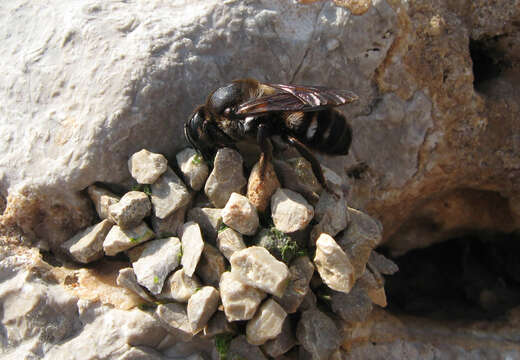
(296, 98)
(270, 103)
(318, 95)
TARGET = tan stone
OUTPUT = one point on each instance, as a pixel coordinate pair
(260, 189)
(266, 324)
(333, 264)
(240, 215)
(240, 301)
(118, 239)
(256, 267)
(146, 167)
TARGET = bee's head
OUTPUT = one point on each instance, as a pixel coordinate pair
(196, 133)
(223, 100)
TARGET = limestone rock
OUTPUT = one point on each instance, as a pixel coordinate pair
(260, 189)
(146, 167)
(174, 318)
(180, 287)
(87, 246)
(256, 267)
(170, 225)
(428, 122)
(168, 194)
(290, 177)
(240, 215)
(209, 220)
(158, 259)
(118, 239)
(382, 264)
(362, 235)
(240, 348)
(309, 301)
(140, 353)
(102, 200)
(331, 214)
(130, 210)
(353, 307)
(290, 211)
(374, 288)
(218, 324)
(266, 324)
(193, 167)
(333, 264)
(201, 306)
(226, 178)
(240, 301)
(127, 279)
(282, 343)
(192, 246)
(318, 334)
(211, 265)
(301, 270)
(229, 241)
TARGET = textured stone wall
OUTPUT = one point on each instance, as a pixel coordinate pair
(85, 84)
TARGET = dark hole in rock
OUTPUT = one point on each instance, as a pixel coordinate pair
(475, 277)
(488, 61)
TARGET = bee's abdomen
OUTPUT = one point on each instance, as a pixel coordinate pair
(326, 130)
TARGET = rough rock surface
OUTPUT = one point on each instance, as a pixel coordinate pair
(333, 264)
(218, 324)
(193, 167)
(118, 239)
(168, 194)
(301, 270)
(174, 318)
(226, 178)
(318, 334)
(266, 324)
(102, 200)
(230, 241)
(256, 267)
(211, 265)
(290, 211)
(170, 225)
(158, 259)
(361, 237)
(352, 307)
(240, 301)
(240, 348)
(179, 286)
(146, 167)
(437, 131)
(282, 343)
(87, 245)
(209, 220)
(201, 306)
(126, 278)
(332, 215)
(240, 215)
(192, 246)
(130, 210)
(260, 187)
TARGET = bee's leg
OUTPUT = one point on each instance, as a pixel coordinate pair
(262, 136)
(306, 153)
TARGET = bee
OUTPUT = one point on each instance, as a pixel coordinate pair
(245, 109)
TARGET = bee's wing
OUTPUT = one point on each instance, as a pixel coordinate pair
(296, 98)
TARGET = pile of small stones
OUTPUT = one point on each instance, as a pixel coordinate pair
(267, 271)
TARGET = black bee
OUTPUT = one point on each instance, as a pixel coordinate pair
(249, 110)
